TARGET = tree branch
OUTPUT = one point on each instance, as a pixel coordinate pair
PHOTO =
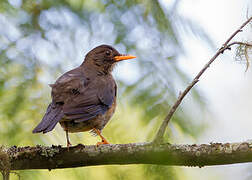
(238, 43)
(159, 136)
(41, 157)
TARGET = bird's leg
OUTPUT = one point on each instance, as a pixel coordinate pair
(68, 142)
(104, 141)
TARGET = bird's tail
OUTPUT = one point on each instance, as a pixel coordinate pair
(53, 115)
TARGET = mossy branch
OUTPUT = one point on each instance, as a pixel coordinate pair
(41, 157)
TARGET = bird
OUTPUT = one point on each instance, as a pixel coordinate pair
(84, 98)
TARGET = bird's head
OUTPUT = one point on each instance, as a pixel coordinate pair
(103, 58)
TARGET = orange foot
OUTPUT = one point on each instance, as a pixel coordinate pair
(104, 141)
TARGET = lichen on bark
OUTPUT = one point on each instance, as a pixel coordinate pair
(4, 163)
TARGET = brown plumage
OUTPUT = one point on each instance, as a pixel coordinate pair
(84, 98)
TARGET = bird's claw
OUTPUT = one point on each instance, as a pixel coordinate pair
(104, 141)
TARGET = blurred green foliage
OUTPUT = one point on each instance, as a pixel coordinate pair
(41, 39)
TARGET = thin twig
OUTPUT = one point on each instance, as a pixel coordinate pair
(246, 46)
(246, 57)
(159, 136)
(239, 43)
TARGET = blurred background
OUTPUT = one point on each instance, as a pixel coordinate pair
(41, 39)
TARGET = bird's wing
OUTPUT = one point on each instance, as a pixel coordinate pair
(65, 88)
(68, 86)
(94, 100)
(52, 116)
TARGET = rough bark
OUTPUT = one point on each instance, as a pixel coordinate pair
(41, 157)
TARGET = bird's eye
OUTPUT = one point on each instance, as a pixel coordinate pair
(108, 53)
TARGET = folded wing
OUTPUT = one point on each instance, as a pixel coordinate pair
(95, 100)
(75, 98)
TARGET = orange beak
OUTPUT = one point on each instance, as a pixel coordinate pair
(123, 57)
